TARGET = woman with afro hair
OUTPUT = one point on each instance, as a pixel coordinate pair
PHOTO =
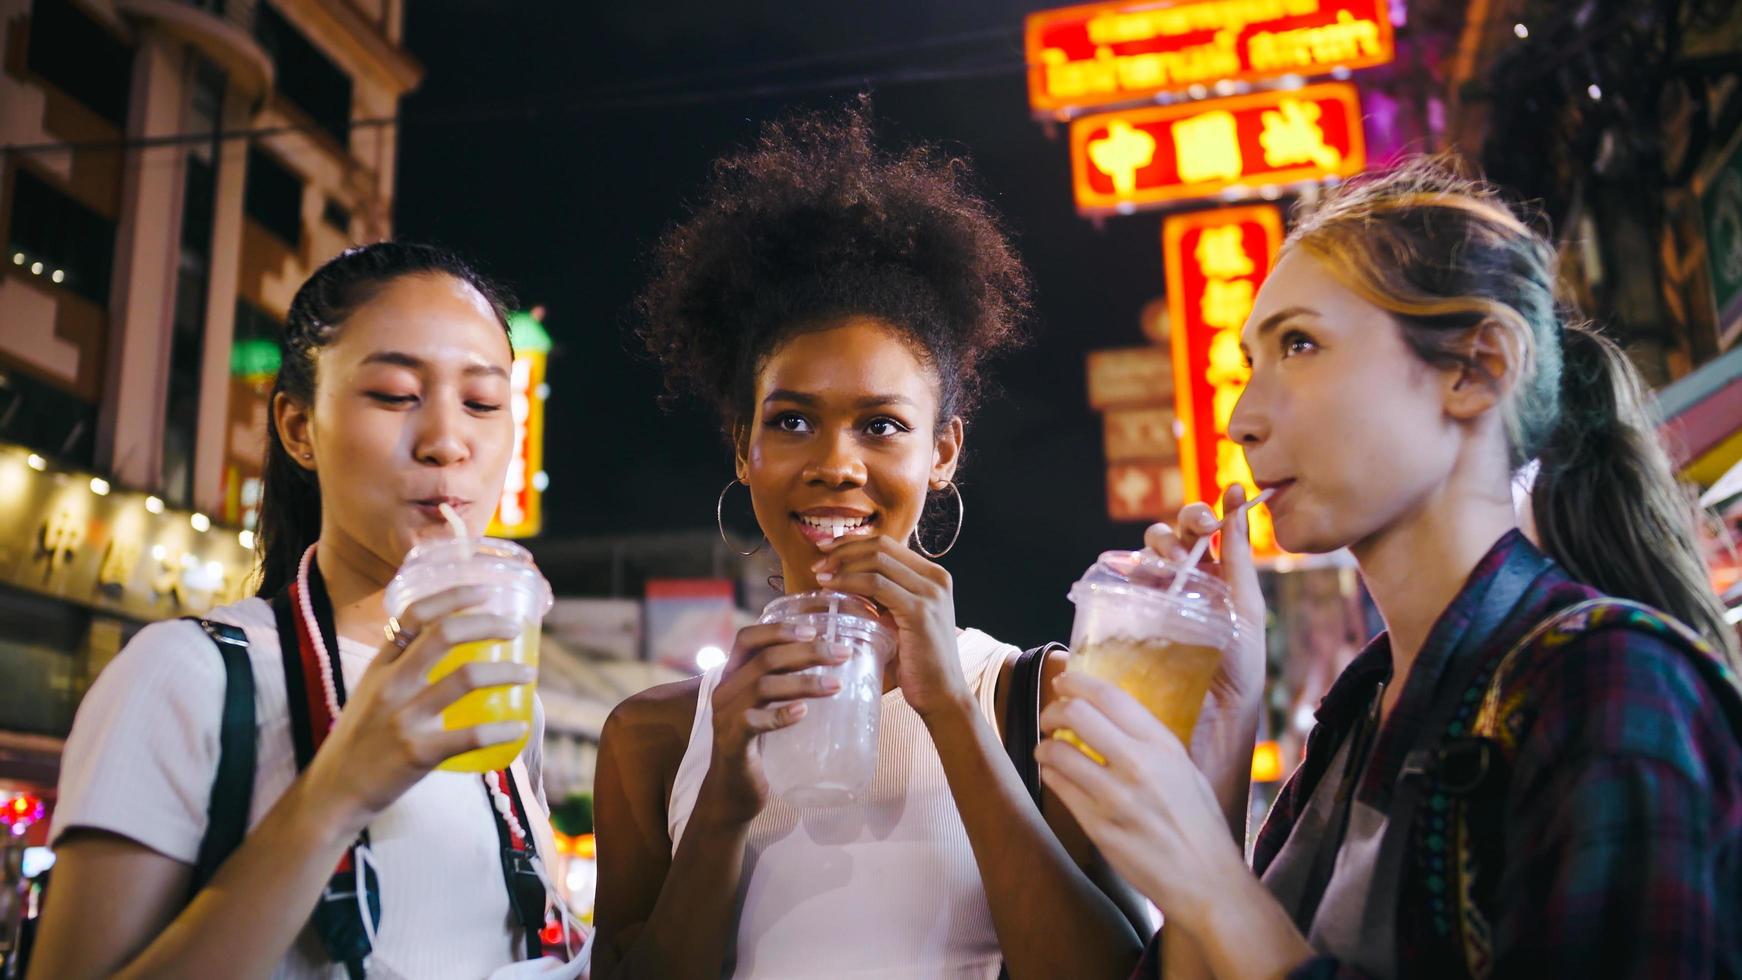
(835, 304)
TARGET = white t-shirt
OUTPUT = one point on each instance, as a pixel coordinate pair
(144, 750)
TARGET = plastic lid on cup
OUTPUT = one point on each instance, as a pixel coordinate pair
(444, 563)
(1147, 578)
(853, 614)
(852, 609)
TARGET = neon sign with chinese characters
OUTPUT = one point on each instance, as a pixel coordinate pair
(1216, 261)
(519, 509)
(1152, 156)
(1101, 54)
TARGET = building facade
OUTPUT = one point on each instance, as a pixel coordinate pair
(170, 172)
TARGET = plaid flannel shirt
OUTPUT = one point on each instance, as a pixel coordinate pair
(1622, 814)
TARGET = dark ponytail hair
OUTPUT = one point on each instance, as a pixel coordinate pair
(290, 497)
(1444, 255)
(1606, 493)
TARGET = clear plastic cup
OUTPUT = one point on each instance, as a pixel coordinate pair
(515, 589)
(827, 758)
(1159, 644)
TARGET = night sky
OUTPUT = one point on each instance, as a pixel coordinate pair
(523, 153)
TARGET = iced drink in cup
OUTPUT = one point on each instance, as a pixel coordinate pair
(515, 589)
(1159, 643)
(827, 758)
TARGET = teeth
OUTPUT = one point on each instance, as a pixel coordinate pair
(836, 526)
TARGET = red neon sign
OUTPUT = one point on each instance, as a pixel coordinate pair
(1216, 261)
(1101, 54)
(1139, 157)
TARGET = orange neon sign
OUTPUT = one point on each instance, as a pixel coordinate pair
(520, 510)
(1216, 261)
(1100, 54)
(1138, 157)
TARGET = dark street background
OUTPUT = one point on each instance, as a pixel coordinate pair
(531, 147)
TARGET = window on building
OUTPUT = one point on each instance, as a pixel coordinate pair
(337, 216)
(73, 52)
(42, 417)
(40, 639)
(53, 236)
(274, 196)
(305, 76)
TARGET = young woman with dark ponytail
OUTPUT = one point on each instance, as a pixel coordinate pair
(1537, 769)
(392, 400)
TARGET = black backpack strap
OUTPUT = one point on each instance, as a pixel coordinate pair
(1022, 725)
(233, 786)
(526, 898)
(338, 915)
(1022, 715)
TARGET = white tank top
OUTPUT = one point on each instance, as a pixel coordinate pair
(883, 889)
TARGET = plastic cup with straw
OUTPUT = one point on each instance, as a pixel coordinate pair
(513, 589)
(1140, 627)
(829, 756)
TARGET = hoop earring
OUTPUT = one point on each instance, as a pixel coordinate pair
(720, 522)
(961, 515)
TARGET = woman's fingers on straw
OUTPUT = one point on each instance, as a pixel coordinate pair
(1161, 539)
(1236, 550)
(1196, 522)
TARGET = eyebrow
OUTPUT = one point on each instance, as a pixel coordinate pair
(1280, 317)
(402, 359)
(871, 401)
(1277, 319)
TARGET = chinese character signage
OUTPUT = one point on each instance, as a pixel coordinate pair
(1102, 54)
(1216, 261)
(1162, 154)
(1129, 376)
(1133, 434)
(518, 512)
(67, 535)
(1143, 491)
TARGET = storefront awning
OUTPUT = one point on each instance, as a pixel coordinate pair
(1701, 419)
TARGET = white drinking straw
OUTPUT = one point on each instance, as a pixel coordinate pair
(1203, 545)
(458, 526)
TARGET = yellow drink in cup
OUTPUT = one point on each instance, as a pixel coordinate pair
(1170, 679)
(493, 704)
(515, 589)
(1159, 644)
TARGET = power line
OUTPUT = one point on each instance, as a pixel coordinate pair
(1010, 33)
(692, 89)
(617, 98)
